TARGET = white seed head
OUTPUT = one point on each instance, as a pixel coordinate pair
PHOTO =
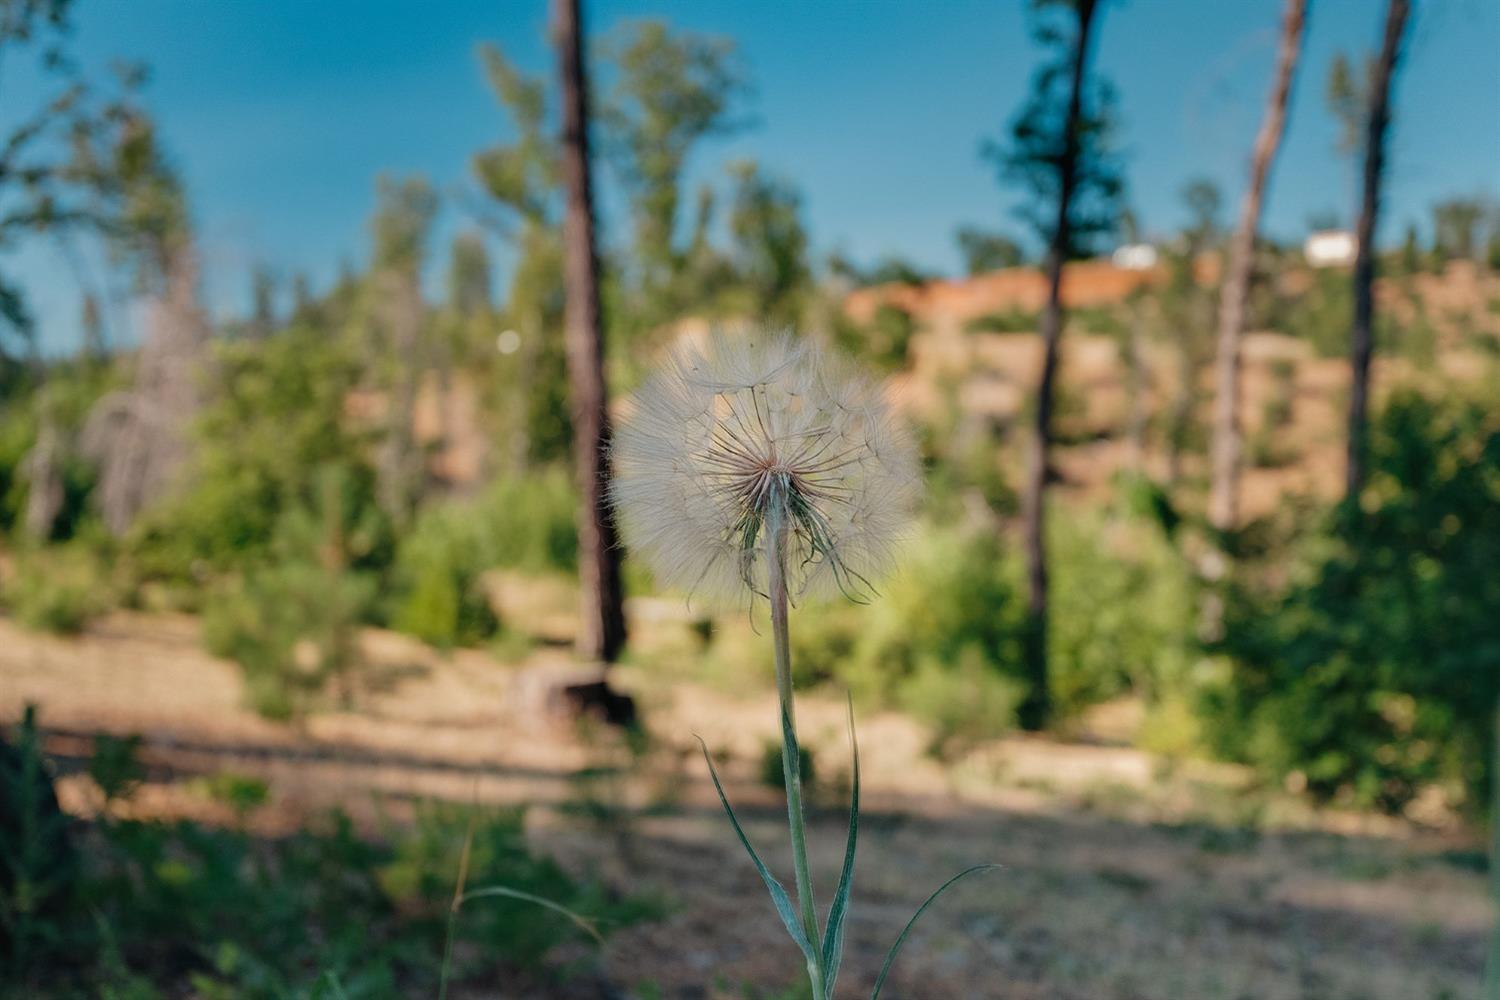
(757, 431)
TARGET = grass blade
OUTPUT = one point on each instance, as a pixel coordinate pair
(891, 955)
(526, 897)
(779, 898)
(833, 936)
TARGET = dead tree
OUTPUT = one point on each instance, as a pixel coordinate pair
(1228, 439)
(45, 491)
(601, 627)
(400, 467)
(1361, 344)
(139, 437)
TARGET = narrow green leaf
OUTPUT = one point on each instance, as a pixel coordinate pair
(526, 897)
(891, 955)
(336, 986)
(779, 898)
(833, 937)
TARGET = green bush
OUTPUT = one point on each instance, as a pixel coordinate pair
(291, 622)
(773, 774)
(190, 910)
(59, 588)
(1375, 670)
(292, 627)
(276, 419)
(437, 581)
(942, 642)
(1121, 613)
(964, 702)
(524, 523)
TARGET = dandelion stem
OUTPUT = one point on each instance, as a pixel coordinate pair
(775, 540)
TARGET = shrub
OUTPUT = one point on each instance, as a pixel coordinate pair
(523, 523)
(292, 622)
(773, 774)
(1121, 614)
(291, 626)
(277, 419)
(1375, 670)
(437, 582)
(193, 910)
(964, 703)
(60, 588)
(527, 522)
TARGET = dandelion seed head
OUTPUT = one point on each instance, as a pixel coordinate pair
(723, 444)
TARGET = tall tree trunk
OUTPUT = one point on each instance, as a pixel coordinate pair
(139, 436)
(1036, 708)
(601, 627)
(1228, 442)
(1362, 339)
(401, 465)
(1137, 381)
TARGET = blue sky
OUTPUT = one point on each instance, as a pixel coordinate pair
(281, 113)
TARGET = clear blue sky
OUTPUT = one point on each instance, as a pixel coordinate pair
(281, 113)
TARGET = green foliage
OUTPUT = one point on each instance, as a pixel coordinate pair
(186, 909)
(1043, 142)
(669, 90)
(1375, 671)
(38, 860)
(421, 869)
(773, 775)
(964, 702)
(1121, 614)
(241, 793)
(1322, 315)
(883, 341)
(528, 522)
(439, 598)
(984, 251)
(942, 642)
(115, 766)
(523, 523)
(290, 627)
(1014, 320)
(403, 221)
(59, 589)
(291, 622)
(213, 913)
(277, 415)
(770, 245)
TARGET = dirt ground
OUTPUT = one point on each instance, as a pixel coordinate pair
(1124, 877)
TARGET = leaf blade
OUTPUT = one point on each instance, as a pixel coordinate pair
(526, 897)
(833, 936)
(901, 939)
(779, 898)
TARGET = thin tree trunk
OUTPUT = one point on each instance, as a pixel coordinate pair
(1137, 379)
(1037, 706)
(1228, 441)
(601, 627)
(1362, 339)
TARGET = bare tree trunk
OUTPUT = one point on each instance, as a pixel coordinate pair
(139, 437)
(1228, 442)
(401, 468)
(43, 465)
(1037, 706)
(601, 627)
(1137, 383)
(1362, 341)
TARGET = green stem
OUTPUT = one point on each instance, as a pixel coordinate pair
(790, 761)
